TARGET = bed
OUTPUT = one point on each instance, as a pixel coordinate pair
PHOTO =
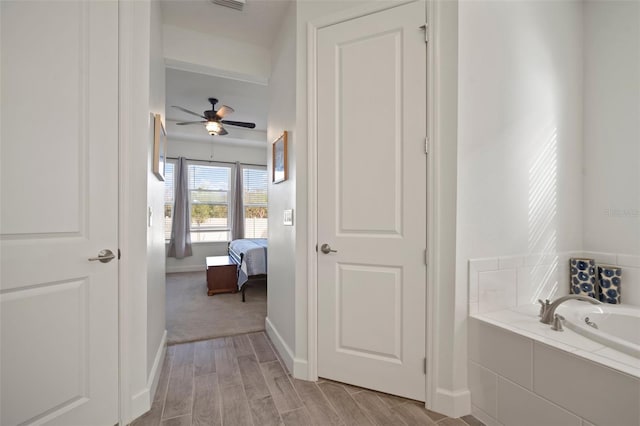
(250, 254)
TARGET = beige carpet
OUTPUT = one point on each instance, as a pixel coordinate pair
(192, 315)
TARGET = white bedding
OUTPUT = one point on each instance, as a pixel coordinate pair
(254, 261)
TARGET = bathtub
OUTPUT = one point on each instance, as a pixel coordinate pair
(615, 326)
(615, 343)
(580, 376)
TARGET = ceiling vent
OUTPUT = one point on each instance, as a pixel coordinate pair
(233, 4)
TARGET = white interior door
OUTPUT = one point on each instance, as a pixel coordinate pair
(372, 201)
(59, 198)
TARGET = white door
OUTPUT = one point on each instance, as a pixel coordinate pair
(59, 195)
(372, 201)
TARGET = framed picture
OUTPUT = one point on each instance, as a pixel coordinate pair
(159, 147)
(279, 159)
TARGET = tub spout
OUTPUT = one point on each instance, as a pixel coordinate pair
(548, 315)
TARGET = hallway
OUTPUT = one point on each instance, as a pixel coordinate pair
(240, 380)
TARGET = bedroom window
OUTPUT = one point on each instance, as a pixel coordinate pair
(209, 195)
(210, 198)
(254, 199)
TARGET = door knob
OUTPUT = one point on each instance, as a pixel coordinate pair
(326, 249)
(104, 256)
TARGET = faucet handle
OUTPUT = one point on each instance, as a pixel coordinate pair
(543, 307)
(557, 323)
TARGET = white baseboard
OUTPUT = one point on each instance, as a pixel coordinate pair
(298, 367)
(281, 346)
(483, 417)
(454, 404)
(191, 268)
(141, 401)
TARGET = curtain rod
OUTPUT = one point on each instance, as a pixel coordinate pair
(217, 161)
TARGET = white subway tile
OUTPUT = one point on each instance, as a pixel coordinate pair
(473, 284)
(630, 289)
(497, 290)
(536, 259)
(510, 262)
(599, 394)
(519, 407)
(601, 258)
(563, 257)
(502, 352)
(484, 417)
(483, 385)
(541, 282)
(485, 264)
(619, 358)
(628, 260)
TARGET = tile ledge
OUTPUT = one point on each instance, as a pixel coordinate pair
(579, 346)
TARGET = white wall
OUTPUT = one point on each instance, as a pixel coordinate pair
(282, 260)
(549, 93)
(193, 51)
(142, 264)
(520, 128)
(207, 149)
(519, 144)
(611, 197)
(155, 198)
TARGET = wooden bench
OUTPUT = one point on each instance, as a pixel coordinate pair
(222, 275)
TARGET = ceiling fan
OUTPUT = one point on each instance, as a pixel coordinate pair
(214, 119)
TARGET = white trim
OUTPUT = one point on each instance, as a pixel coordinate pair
(299, 368)
(441, 217)
(125, 53)
(281, 346)
(312, 206)
(484, 417)
(156, 369)
(356, 12)
(431, 307)
(215, 72)
(432, 265)
(141, 402)
(454, 404)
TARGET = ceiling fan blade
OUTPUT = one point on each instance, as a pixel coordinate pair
(190, 122)
(224, 110)
(189, 112)
(222, 132)
(240, 124)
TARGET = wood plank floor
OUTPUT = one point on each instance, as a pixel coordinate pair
(240, 380)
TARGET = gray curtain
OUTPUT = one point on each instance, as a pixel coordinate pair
(180, 245)
(237, 218)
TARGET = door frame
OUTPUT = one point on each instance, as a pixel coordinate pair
(434, 185)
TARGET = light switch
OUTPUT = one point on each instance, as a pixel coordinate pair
(288, 217)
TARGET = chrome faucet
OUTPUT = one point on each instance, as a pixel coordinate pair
(548, 310)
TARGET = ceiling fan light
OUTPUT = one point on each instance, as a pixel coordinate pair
(213, 127)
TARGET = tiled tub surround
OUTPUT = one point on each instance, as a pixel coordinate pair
(523, 373)
(506, 282)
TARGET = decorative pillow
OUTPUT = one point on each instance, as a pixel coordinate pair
(582, 276)
(610, 278)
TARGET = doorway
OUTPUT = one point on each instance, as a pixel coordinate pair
(372, 201)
